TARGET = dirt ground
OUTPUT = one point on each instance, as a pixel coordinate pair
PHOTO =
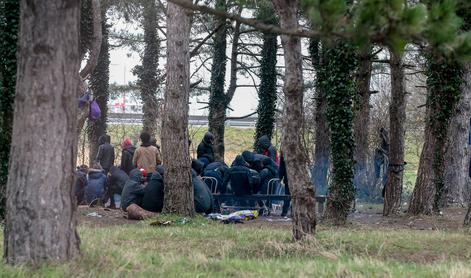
(366, 216)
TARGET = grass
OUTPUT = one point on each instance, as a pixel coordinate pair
(202, 249)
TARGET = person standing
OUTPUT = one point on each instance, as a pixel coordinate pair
(146, 156)
(265, 147)
(105, 155)
(205, 151)
(126, 155)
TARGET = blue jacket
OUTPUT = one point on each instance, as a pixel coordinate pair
(96, 186)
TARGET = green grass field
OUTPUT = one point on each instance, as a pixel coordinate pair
(203, 249)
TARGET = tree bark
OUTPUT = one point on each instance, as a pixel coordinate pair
(9, 18)
(217, 99)
(467, 219)
(457, 182)
(147, 73)
(99, 81)
(443, 83)
(295, 154)
(361, 124)
(175, 152)
(40, 221)
(322, 138)
(397, 119)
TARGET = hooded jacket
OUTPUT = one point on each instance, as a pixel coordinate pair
(153, 199)
(105, 153)
(117, 180)
(96, 186)
(79, 187)
(269, 172)
(216, 170)
(133, 190)
(126, 158)
(202, 195)
(266, 148)
(254, 160)
(239, 177)
(205, 148)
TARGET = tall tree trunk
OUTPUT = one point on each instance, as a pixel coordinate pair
(457, 156)
(397, 119)
(175, 152)
(40, 221)
(99, 81)
(267, 93)
(9, 18)
(148, 72)
(443, 83)
(338, 75)
(217, 98)
(361, 123)
(322, 138)
(295, 154)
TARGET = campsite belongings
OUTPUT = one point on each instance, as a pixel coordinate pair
(236, 217)
(180, 221)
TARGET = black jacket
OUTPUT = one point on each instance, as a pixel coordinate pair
(117, 179)
(153, 199)
(202, 195)
(79, 187)
(254, 160)
(266, 148)
(126, 159)
(239, 176)
(133, 190)
(205, 148)
(105, 156)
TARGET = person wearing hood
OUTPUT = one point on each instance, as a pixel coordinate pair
(133, 190)
(80, 184)
(117, 178)
(266, 148)
(105, 155)
(126, 156)
(153, 199)
(216, 170)
(270, 171)
(239, 176)
(254, 160)
(205, 151)
(202, 195)
(146, 156)
(97, 184)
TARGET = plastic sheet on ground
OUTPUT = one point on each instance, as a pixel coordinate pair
(236, 217)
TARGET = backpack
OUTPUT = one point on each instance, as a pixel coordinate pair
(95, 111)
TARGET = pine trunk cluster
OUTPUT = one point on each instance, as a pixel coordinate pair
(175, 145)
(295, 154)
(40, 221)
(397, 119)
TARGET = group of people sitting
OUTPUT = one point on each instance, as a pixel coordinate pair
(250, 172)
(138, 183)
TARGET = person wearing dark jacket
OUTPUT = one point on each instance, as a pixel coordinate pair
(133, 190)
(97, 184)
(105, 153)
(205, 151)
(239, 176)
(254, 160)
(126, 156)
(202, 196)
(266, 148)
(283, 176)
(216, 170)
(270, 171)
(117, 178)
(80, 184)
(153, 199)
